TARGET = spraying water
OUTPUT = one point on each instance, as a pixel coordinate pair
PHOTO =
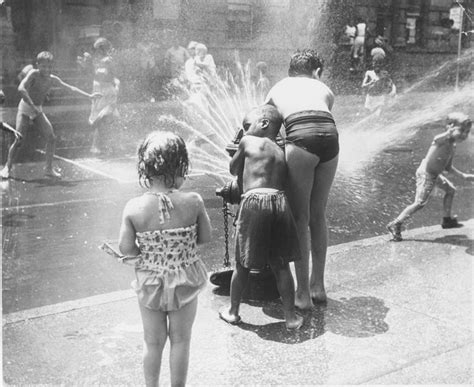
(212, 116)
(402, 118)
(214, 113)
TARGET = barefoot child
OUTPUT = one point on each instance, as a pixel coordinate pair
(164, 226)
(265, 229)
(429, 174)
(379, 86)
(33, 90)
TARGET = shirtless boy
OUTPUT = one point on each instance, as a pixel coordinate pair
(265, 229)
(430, 174)
(33, 90)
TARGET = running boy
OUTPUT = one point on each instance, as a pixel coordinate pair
(265, 229)
(429, 174)
(33, 90)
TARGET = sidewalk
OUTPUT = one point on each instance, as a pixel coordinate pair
(398, 313)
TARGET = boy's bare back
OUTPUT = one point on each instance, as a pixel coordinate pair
(264, 164)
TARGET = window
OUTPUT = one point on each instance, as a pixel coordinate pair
(412, 28)
(239, 20)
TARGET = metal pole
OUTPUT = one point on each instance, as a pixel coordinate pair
(456, 88)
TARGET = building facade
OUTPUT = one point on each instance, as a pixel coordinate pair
(422, 33)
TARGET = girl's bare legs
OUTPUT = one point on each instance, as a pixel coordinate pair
(323, 179)
(180, 327)
(301, 165)
(155, 332)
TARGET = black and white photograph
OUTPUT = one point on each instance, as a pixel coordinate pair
(237, 192)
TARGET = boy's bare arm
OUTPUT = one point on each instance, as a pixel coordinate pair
(65, 85)
(444, 137)
(237, 163)
(466, 176)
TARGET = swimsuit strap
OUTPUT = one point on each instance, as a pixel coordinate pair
(164, 204)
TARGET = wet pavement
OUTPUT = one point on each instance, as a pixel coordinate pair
(51, 229)
(398, 313)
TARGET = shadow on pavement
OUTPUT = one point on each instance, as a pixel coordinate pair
(457, 240)
(353, 317)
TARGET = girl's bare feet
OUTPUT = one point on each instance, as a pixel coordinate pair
(233, 319)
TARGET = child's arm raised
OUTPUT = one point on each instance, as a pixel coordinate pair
(75, 89)
(203, 222)
(127, 236)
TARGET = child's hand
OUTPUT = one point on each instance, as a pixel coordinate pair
(96, 95)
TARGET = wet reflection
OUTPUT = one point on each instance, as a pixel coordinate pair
(354, 317)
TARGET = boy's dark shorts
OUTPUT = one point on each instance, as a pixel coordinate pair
(265, 230)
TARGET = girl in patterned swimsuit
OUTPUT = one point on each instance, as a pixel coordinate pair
(164, 226)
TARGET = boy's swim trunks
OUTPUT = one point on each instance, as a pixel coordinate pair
(265, 230)
(314, 131)
(27, 110)
(425, 182)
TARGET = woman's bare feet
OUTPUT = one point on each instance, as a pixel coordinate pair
(294, 323)
(233, 319)
(319, 297)
(303, 301)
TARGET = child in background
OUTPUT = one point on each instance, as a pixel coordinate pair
(265, 228)
(263, 83)
(164, 226)
(379, 86)
(429, 174)
(104, 109)
(33, 89)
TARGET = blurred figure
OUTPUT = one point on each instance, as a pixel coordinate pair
(379, 85)
(33, 90)
(358, 49)
(204, 62)
(175, 59)
(148, 66)
(263, 83)
(190, 69)
(350, 32)
(104, 109)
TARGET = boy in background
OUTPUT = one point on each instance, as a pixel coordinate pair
(33, 89)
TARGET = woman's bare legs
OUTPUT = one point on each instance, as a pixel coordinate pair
(301, 165)
(180, 328)
(155, 332)
(323, 179)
